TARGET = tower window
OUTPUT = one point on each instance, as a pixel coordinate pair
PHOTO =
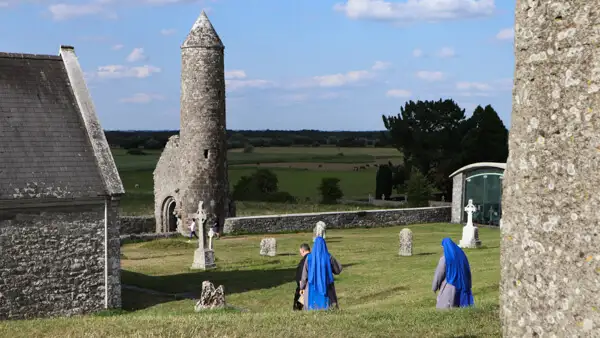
(205, 153)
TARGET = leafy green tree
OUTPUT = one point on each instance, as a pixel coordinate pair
(262, 185)
(486, 139)
(248, 148)
(418, 190)
(330, 190)
(428, 133)
(384, 182)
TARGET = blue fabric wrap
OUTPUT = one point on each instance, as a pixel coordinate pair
(320, 275)
(458, 272)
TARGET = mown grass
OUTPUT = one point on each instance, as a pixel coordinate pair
(136, 172)
(380, 293)
(271, 155)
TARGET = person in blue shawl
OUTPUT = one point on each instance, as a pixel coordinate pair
(317, 284)
(453, 278)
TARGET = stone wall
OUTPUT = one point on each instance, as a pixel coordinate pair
(336, 220)
(137, 224)
(53, 264)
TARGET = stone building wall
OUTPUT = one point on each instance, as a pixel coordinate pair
(167, 178)
(53, 263)
(336, 220)
(137, 225)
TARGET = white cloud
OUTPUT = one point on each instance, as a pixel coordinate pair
(120, 71)
(381, 65)
(415, 10)
(446, 52)
(64, 11)
(417, 53)
(167, 32)
(506, 34)
(233, 85)
(117, 47)
(137, 54)
(235, 74)
(473, 86)
(344, 79)
(398, 93)
(141, 98)
(431, 76)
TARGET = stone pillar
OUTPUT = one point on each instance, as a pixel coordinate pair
(458, 190)
(551, 207)
(203, 136)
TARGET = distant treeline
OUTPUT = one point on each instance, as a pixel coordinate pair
(149, 139)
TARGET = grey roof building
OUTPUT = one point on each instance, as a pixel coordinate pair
(59, 192)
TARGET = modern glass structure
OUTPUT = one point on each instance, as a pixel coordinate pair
(482, 183)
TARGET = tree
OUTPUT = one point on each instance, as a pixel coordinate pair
(429, 133)
(248, 148)
(418, 190)
(486, 138)
(330, 190)
(262, 185)
(384, 182)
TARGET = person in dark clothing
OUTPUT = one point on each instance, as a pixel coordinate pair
(304, 250)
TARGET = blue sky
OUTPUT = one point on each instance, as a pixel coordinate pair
(290, 64)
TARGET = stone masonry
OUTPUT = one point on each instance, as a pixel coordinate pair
(336, 220)
(550, 262)
(193, 165)
(59, 192)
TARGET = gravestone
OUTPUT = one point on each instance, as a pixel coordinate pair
(268, 247)
(210, 298)
(203, 258)
(550, 236)
(320, 230)
(470, 234)
(406, 242)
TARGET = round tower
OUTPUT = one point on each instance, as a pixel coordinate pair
(203, 137)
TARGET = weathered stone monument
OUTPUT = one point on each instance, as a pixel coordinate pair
(551, 208)
(59, 192)
(210, 298)
(406, 242)
(470, 233)
(268, 247)
(320, 230)
(193, 165)
(204, 258)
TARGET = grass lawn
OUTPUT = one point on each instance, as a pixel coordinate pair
(380, 293)
(297, 169)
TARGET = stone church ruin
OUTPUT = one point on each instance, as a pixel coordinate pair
(59, 192)
(193, 165)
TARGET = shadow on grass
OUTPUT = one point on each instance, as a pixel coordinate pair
(425, 254)
(188, 285)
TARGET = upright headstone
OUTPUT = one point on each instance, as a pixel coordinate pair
(320, 230)
(470, 234)
(550, 262)
(406, 242)
(268, 247)
(203, 258)
(210, 298)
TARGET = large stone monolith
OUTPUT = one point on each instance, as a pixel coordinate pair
(551, 207)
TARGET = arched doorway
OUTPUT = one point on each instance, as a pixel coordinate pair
(168, 215)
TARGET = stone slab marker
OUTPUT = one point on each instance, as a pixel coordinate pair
(210, 298)
(550, 256)
(320, 230)
(268, 247)
(406, 242)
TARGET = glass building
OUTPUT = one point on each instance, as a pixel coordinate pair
(482, 183)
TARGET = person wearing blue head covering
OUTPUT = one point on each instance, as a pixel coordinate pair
(316, 283)
(453, 278)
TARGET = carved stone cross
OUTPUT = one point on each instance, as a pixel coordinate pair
(470, 209)
(200, 215)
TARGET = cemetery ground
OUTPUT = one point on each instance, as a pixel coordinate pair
(298, 169)
(381, 294)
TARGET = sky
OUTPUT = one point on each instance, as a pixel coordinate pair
(290, 64)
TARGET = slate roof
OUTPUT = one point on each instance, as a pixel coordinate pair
(45, 151)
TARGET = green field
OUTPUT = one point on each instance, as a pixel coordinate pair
(298, 169)
(380, 293)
